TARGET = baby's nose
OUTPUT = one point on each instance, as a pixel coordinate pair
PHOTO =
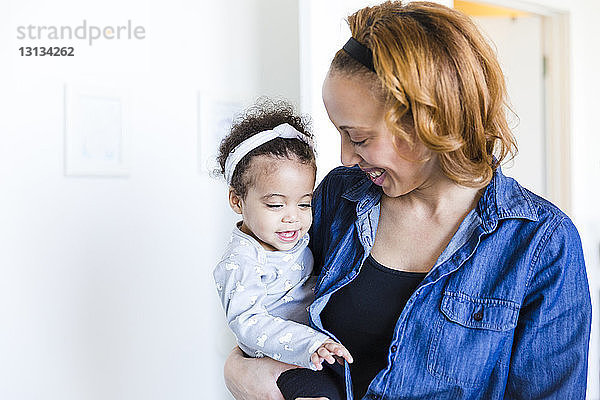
(290, 217)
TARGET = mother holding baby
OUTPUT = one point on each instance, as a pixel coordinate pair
(444, 278)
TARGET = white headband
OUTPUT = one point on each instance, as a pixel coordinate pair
(285, 131)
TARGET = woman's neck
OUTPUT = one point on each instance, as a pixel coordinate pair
(438, 198)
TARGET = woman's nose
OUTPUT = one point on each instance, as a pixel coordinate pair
(348, 156)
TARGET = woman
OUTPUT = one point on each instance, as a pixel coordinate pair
(444, 278)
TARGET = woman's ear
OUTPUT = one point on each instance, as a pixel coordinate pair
(235, 201)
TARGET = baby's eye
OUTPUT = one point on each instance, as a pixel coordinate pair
(304, 205)
(274, 205)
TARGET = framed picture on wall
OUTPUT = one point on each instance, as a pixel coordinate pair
(96, 141)
(215, 117)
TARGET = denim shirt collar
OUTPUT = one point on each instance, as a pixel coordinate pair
(365, 193)
(503, 198)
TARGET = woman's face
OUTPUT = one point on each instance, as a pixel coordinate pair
(366, 140)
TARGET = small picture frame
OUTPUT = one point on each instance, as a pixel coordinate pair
(215, 117)
(96, 141)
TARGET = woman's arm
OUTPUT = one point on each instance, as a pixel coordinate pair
(550, 348)
(253, 378)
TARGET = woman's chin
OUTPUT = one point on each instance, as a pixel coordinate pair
(390, 193)
(395, 191)
(389, 190)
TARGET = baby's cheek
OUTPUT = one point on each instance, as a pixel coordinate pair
(267, 229)
(309, 218)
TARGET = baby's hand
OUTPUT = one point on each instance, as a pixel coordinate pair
(330, 351)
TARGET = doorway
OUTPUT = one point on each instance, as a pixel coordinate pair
(532, 47)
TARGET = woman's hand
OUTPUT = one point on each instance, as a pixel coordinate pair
(253, 378)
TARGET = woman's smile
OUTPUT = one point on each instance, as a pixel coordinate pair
(377, 175)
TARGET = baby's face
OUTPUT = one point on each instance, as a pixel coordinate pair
(277, 209)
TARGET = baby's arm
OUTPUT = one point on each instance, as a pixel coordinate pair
(258, 332)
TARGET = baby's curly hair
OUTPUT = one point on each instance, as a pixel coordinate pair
(264, 115)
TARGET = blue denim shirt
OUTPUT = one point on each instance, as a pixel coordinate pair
(504, 313)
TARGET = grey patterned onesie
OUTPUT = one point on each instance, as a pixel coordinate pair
(265, 295)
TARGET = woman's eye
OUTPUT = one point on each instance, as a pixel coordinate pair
(274, 205)
(353, 142)
(357, 143)
(304, 205)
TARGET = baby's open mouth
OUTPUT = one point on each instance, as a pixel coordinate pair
(287, 236)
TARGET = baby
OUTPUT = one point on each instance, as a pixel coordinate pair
(264, 277)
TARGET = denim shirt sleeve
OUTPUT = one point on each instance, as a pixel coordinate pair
(316, 236)
(549, 357)
(325, 195)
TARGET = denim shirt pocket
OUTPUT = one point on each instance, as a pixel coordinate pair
(471, 333)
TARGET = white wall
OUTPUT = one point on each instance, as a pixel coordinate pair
(105, 283)
(585, 64)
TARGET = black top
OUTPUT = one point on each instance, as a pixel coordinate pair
(363, 314)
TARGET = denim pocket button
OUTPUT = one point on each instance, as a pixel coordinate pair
(500, 315)
(481, 327)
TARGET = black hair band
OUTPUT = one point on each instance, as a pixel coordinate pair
(359, 52)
